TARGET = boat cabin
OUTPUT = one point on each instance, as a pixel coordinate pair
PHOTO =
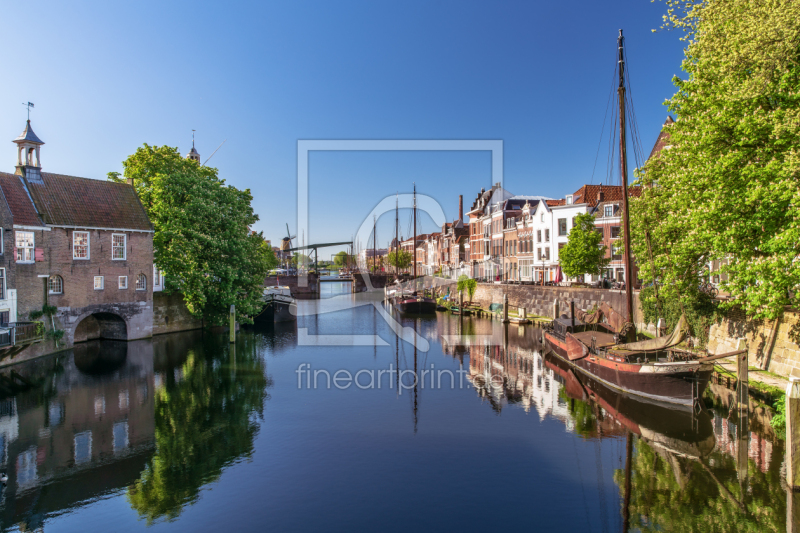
(562, 326)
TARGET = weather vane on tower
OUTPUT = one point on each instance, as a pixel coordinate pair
(29, 105)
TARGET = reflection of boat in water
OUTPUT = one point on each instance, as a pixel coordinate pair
(684, 432)
(280, 305)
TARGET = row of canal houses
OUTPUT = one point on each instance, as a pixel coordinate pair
(508, 237)
(81, 246)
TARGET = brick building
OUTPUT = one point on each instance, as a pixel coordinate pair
(84, 246)
(605, 203)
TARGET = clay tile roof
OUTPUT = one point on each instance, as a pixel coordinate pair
(663, 138)
(18, 201)
(88, 203)
(553, 203)
(611, 193)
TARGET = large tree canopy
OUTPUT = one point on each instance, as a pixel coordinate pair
(584, 252)
(400, 259)
(728, 187)
(202, 238)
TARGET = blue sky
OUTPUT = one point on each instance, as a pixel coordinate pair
(108, 77)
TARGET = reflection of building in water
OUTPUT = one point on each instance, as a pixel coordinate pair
(516, 375)
(726, 434)
(87, 427)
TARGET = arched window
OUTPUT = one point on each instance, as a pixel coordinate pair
(141, 282)
(55, 285)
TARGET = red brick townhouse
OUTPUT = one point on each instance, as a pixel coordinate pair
(82, 245)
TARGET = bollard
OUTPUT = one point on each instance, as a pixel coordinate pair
(572, 313)
(233, 324)
(523, 313)
(505, 309)
(793, 433)
(742, 392)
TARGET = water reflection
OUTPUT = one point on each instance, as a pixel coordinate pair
(82, 428)
(157, 418)
(151, 424)
(207, 405)
(683, 471)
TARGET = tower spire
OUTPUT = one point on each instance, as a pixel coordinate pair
(193, 154)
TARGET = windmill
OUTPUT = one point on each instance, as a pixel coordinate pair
(286, 244)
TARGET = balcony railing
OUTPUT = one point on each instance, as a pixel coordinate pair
(18, 333)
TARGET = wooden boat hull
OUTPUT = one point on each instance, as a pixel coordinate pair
(416, 306)
(678, 384)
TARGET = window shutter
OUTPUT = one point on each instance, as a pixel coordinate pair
(39, 254)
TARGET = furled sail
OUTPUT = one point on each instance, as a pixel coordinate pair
(680, 332)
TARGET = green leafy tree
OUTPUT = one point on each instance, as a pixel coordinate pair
(728, 188)
(399, 259)
(341, 259)
(584, 252)
(202, 238)
(204, 421)
(299, 259)
(465, 283)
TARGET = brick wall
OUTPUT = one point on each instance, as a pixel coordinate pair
(773, 344)
(79, 298)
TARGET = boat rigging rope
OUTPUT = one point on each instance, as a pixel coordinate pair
(605, 116)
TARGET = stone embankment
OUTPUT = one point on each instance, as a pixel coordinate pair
(542, 301)
(774, 345)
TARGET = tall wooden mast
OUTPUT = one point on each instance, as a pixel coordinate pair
(396, 235)
(414, 251)
(623, 172)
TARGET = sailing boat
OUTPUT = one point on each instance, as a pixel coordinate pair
(409, 302)
(656, 370)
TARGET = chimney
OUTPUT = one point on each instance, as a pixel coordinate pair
(601, 195)
(130, 182)
(461, 208)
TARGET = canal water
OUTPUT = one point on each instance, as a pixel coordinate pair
(310, 427)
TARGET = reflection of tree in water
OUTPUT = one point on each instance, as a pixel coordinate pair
(672, 493)
(204, 421)
(582, 414)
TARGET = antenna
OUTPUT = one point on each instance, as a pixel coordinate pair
(193, 142)
(29, 105)
(212, 153)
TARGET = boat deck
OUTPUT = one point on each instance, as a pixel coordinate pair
(603, 339)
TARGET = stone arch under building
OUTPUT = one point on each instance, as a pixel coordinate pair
(101, 326)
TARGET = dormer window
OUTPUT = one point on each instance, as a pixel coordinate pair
(608, 211)
(569, 199)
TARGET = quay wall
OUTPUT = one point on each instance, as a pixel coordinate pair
(301, 293)
(170, 314)
(540, 300)
(773, 345)
(378, 281)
